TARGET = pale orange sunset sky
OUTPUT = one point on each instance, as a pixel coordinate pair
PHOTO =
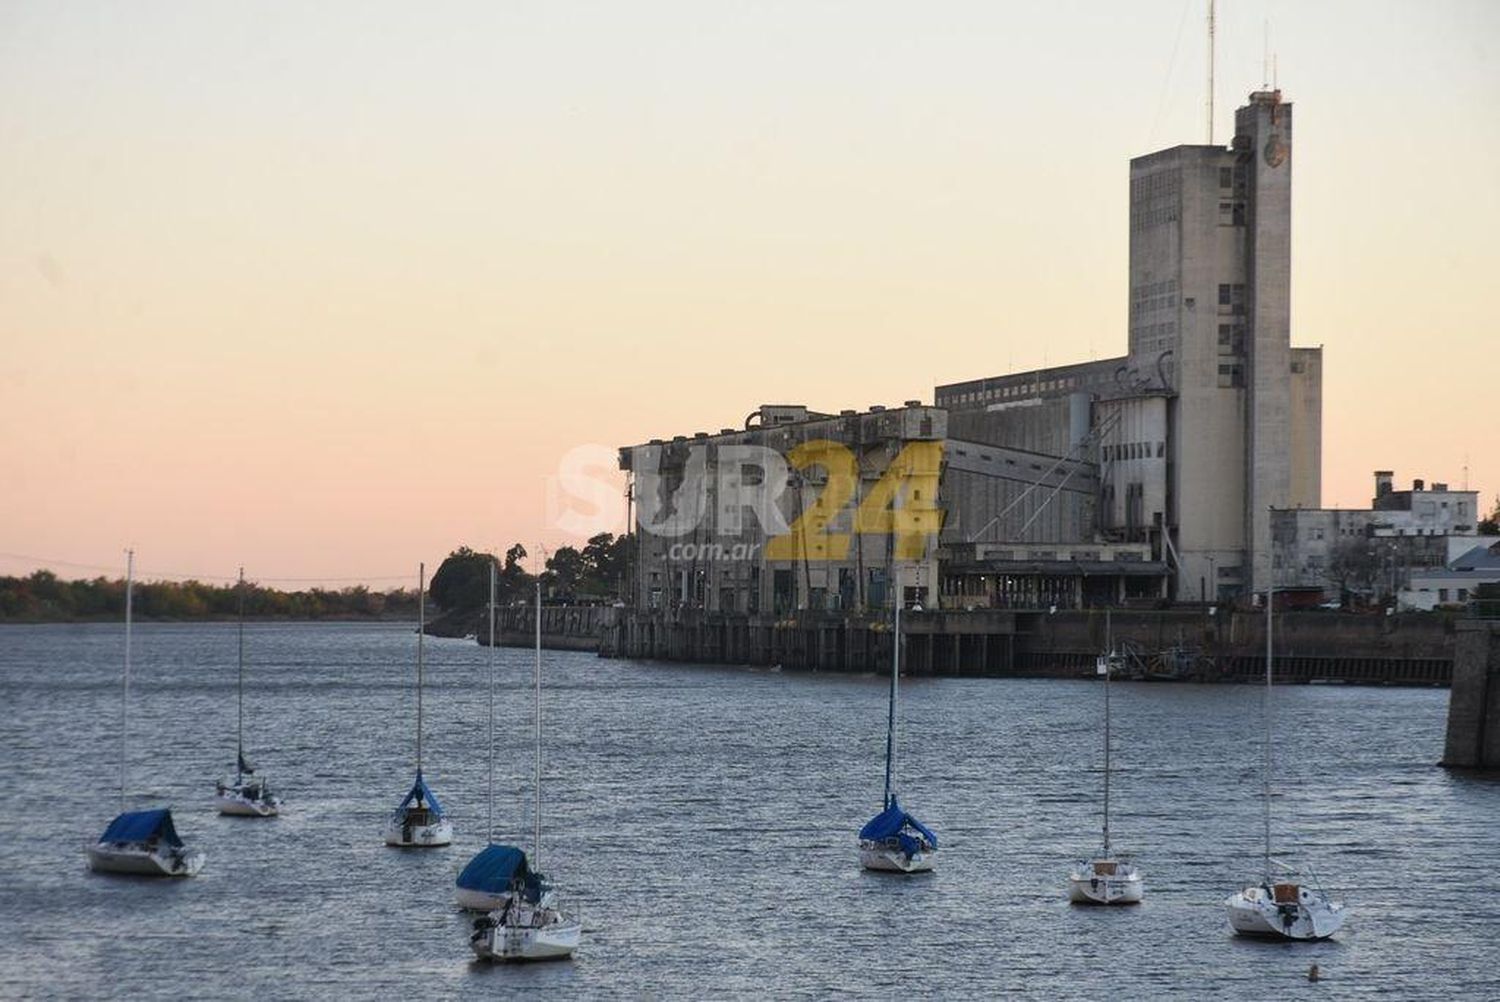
(327, 289)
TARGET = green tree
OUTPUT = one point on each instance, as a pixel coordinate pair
(1490, 524)
(515, 583)
(462, 583)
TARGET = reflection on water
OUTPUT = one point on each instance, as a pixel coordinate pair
(702, 821)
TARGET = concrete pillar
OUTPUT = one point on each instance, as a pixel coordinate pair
(1473, 740)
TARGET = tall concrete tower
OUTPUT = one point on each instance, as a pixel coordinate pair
(1210, 293)
(1263, 143)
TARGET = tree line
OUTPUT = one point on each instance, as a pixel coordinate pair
(592, 573)
(42, 596)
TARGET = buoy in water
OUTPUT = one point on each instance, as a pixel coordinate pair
(1313, 974)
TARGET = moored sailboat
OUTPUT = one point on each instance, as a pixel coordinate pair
(139, 843)
(485, 882)
(1282, 905)
(419, 821)
(1106, 879)
(895, 841)
(247, 795)
(529, 923)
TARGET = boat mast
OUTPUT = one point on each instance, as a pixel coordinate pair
(490, 830)
(421, 629)
(1109, 664)
(1266, 708)
(125, 695)
(890, 721)
(239, 740)
(536, 838)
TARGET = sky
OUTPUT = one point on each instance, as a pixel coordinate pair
(326, 290)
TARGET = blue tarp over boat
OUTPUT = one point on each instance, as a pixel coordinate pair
(493, 869)
(894, 822)
(421, 794)
(143, 826)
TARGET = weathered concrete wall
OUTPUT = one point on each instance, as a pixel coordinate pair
(1400, 650)
(1474, 704)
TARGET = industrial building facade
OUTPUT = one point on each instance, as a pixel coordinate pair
(1147, 476)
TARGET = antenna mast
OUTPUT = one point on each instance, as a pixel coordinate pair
(125, 695)
(1210, 72)
(421, 630)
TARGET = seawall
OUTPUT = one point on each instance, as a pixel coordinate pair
(1408, 649)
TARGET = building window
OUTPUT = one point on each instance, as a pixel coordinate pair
(1226, 177)
(1225, 293)
(1231, 376)
(1442, 594)
(1463, 594)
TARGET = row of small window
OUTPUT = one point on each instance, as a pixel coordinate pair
(1152, 305)
(1144, 331)
(1027, 389)
(1231, 376)
(1233, 177)
(1231, 339)
(1231, 213)
(1162, 182)
(1166, 286)
(1134, 450)
(1143, 218)
(1463, 594)
(1232, 295)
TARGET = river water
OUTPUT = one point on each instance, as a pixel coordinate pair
(702, 820)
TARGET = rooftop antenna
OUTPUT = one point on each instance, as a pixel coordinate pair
(1210, 72)
(1265, 54)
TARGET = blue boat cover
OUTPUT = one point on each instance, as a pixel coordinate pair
(143, 826)
(894, 822)
(493, 869)
(421, 794)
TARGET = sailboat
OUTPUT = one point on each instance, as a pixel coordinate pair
(140, 843)
(528, 924)
(1106, 879)
(1280, 906)
(894, 840)
(418, 820)
(247, 795)
(485, 882)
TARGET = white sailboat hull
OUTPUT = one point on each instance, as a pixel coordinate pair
(431, 836)
(243, 807)
(1254, 912)
(140, 861)
(232, 798)
(894, 860)
(1087, 889)
(502, 943)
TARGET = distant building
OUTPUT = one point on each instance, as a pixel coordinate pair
(1212, 418)
(1144, 477)
(931, 517)
(1375, 551)
(1457, 583)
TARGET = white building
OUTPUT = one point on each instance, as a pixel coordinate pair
(1455, 584)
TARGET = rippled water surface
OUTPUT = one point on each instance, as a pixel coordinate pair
(702, 820)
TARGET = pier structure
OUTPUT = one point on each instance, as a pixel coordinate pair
(1159, 645)
(1473, 740)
